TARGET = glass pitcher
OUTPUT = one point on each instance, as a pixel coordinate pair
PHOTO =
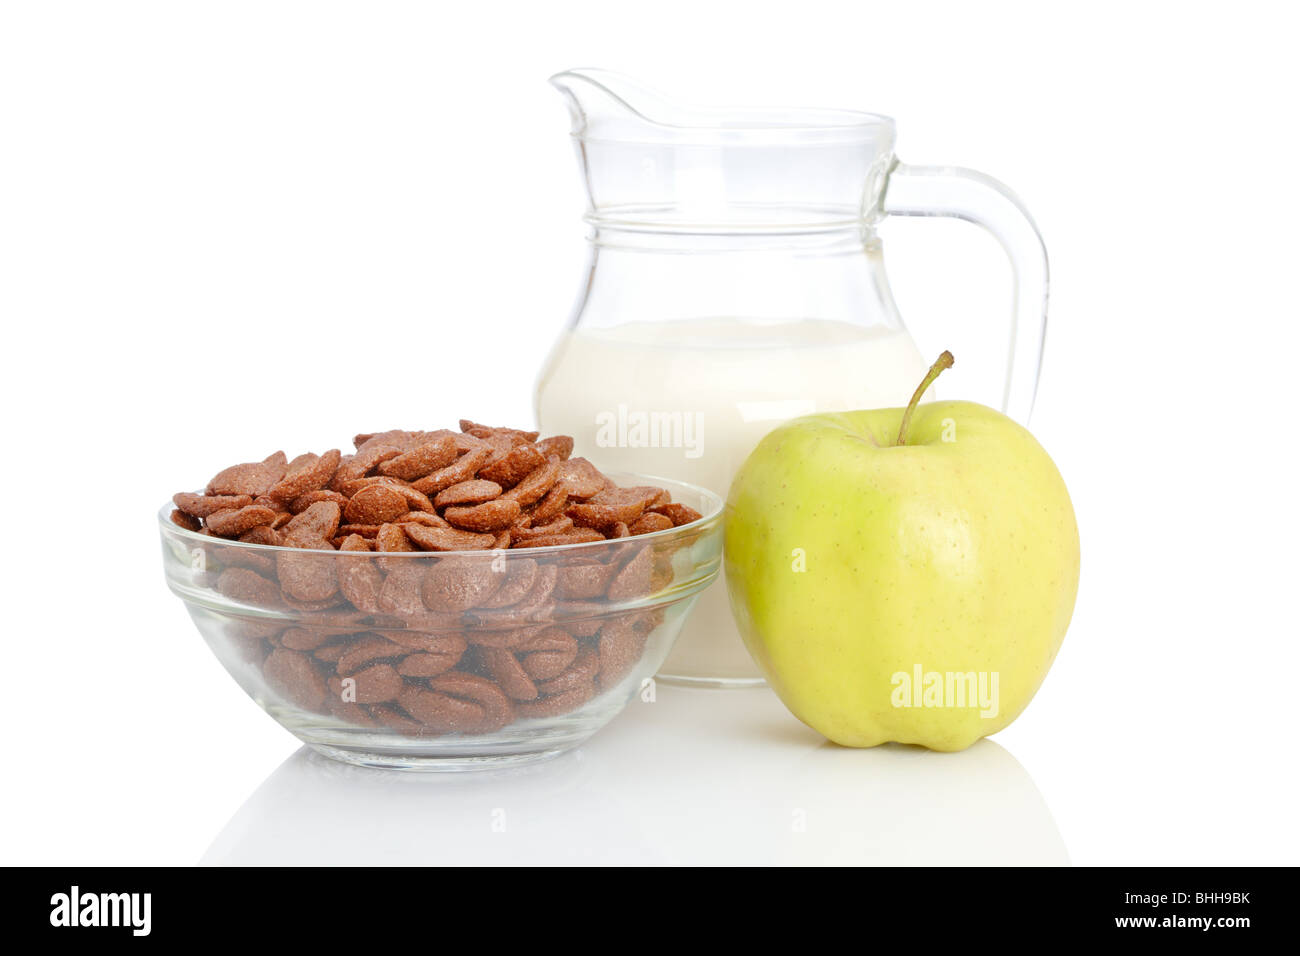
(736, 281)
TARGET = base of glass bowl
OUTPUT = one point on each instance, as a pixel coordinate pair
(715, 683)
(359, 757)
(387, 751)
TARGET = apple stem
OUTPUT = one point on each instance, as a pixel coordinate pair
(942, 362)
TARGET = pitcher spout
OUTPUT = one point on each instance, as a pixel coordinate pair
(608, 105)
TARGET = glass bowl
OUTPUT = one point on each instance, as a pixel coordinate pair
(449, 660)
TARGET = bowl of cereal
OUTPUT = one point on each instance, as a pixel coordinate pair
(443, 599)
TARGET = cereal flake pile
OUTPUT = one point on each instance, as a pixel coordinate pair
(477, 489)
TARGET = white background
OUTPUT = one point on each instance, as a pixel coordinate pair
(229, 227)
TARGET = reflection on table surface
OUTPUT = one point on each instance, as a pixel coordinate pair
(696, 776)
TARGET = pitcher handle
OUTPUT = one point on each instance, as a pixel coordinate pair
(967, 194)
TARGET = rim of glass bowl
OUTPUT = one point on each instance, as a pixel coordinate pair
(715, 502)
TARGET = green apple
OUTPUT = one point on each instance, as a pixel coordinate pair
(902, 574)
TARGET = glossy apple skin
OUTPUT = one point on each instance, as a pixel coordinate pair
(958, 555)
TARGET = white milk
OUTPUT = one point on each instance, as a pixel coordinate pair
(707, 390)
